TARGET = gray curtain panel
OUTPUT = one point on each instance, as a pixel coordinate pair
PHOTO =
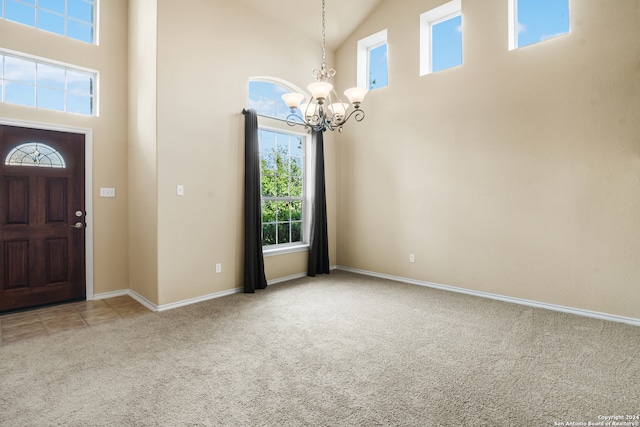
(319, 240)
(254, 277)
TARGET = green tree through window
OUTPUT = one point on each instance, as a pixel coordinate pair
(282, 181)
(282, 166)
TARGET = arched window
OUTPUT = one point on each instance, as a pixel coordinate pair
(266, 98)
(284, 188)
(35, 154)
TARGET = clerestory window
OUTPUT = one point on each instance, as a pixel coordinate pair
(373, 61)
(441, 38)
(533, 21)
(75, 19)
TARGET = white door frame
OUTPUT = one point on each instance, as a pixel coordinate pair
(88, 185)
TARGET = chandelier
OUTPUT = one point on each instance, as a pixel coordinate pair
(325, 110)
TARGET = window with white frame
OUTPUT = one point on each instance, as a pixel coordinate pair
(533, 21)
(25, 80)
(441, 38)
(282, 183)
(70, 18)
(283, 164)
(373, 61)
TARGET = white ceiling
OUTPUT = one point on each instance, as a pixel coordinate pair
(305, 16)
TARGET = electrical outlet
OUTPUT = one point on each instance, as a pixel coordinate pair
(412, 258)
(218, 268)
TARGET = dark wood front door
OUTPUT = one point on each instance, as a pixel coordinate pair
(42, 214)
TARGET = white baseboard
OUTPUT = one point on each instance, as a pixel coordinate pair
(190, 301)
(142, 300)
(111, 294)
(577, 311)
(286, 279)
(133, 294)
(153, 307)
(531, 303)
(293, 277)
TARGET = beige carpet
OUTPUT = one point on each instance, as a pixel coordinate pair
(338, 350)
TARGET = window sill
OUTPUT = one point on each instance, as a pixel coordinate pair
(284, 250)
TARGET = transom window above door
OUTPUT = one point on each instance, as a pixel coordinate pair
(36, 82)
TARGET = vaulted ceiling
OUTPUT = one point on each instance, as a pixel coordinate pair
(305, 16)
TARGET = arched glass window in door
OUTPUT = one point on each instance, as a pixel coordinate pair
(35, 154)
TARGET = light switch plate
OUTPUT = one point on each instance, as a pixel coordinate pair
(107, 192)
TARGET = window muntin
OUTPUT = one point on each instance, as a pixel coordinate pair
(441, 38)
(282, 187)
(35, 154)
(35, 83)
(533, 21)
(71, 18)
(373, 61)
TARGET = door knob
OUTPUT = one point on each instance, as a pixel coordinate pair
(77, 225)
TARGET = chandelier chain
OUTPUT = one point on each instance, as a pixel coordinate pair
(324, 50)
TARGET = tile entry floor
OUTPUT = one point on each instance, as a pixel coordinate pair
(45, 321)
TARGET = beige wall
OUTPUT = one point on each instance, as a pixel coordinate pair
(142, 154)
(173, 82)
(517, 173)
(206, 55)
(109, 129)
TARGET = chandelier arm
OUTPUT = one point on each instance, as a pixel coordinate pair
(294, 120)
(314, 122)
(357, 114)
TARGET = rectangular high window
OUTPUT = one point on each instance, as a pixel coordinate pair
(372, 61)
(378, 71)
(75, 19)
(41, 84)
(533, 21)
(441, 38)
